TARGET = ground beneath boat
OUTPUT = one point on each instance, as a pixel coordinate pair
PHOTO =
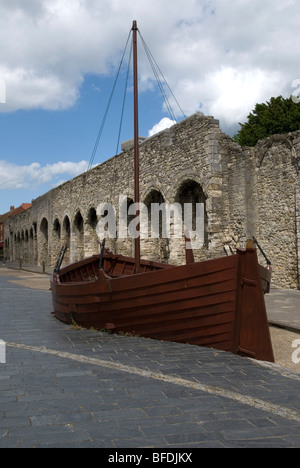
(62, 387)
(283, 308)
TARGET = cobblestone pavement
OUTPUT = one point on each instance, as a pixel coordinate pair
(284, 308)
(63, 387)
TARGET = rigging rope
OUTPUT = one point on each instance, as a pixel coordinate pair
(120, 126)
(160, 79)
(157, 71)
(124, 99)
(107, 109)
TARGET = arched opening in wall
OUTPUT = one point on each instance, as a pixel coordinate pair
(22, 248)
(56, 228)
(92, 218)
(31, 247)
(66, 237)
(78, 231)
(157, 243)
(18, 246)
(192, 200)
(56, 233)
(125, 243)
(44, 242)
(26, 247)
(91, 245)
(13, 237)
(35, 242)
(6, 252)
(130, 216)
(11, 252)
(66, 231)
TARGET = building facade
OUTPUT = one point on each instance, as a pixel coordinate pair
(242, 192)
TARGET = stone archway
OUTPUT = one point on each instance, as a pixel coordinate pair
(31, 246)
(55, 243)
(26, 247)
(191, 195)
(124, 243)
(44, 243)
(66, 238)
(156, 246)
(77, 238)
(91, 245)
(192, 200)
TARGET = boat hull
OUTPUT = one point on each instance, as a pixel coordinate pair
(217, 303)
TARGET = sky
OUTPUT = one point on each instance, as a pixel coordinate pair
(59, 61)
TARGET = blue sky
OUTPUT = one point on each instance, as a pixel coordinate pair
(44, 137)
(58, 62)
(36, 142)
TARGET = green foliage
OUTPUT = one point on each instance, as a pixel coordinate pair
(279, 115)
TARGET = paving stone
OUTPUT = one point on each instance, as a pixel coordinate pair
(158, 395)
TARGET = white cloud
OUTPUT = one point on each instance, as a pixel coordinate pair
(162, 125)
(231, 93)
(27, 90)
(2, 92)
(218, 58)
(34, 175)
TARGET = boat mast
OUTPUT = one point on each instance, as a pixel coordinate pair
(136, 144)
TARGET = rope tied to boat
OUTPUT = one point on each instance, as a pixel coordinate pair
(60, 259)
(262, 252)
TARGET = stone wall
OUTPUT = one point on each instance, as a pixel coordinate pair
(277, 209)
(243, 192)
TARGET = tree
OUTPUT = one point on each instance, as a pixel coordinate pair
(279, 115)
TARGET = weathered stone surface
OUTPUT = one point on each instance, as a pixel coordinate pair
(245, 192)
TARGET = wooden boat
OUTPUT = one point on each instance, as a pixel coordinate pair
(216, 303)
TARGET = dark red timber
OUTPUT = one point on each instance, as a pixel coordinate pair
(216, 303)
